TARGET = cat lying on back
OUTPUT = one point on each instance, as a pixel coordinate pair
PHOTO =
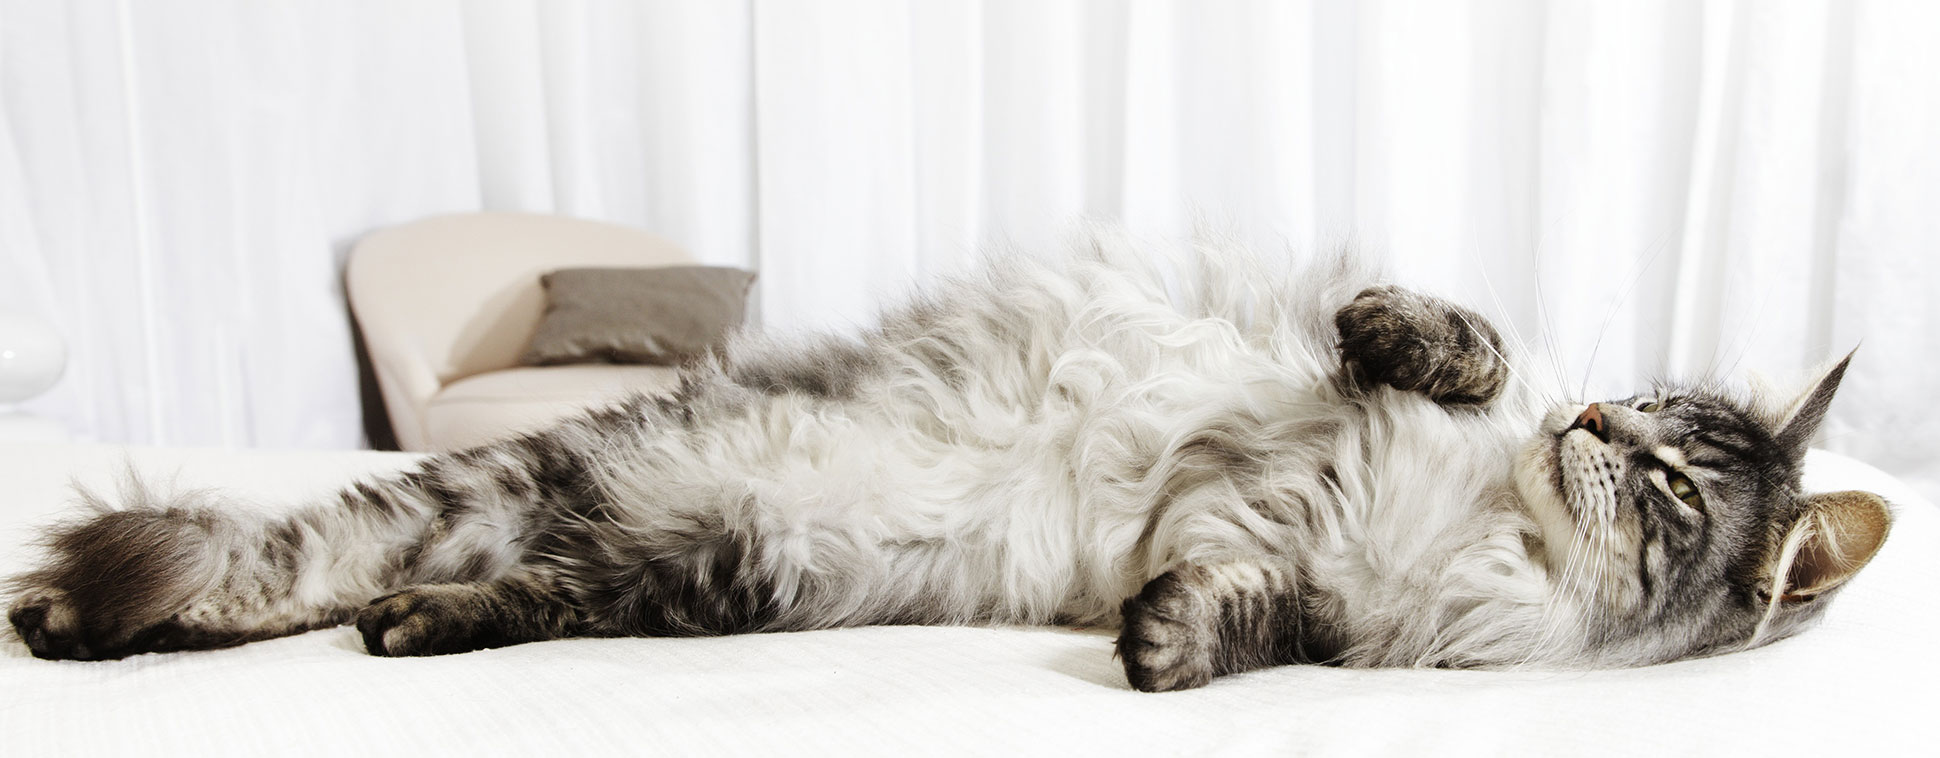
(1273, 470)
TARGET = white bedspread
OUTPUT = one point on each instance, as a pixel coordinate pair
(1865, 682)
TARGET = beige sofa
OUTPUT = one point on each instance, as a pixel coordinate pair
(447, 304)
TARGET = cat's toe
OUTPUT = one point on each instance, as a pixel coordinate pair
(1166, 644)
(393, 625)
(49, 626)
(1379, 341)
(429, 620)
(1415, 343)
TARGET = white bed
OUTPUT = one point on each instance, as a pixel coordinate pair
(1864, 682)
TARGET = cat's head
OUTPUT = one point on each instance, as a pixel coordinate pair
(1670, 518)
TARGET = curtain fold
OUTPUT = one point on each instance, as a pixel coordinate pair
(1641, 189)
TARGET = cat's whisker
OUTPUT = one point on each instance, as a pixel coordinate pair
(1623, 296)
(1517, 341)
(1488, 283)
(1572, 566)
(1546, 325)
(1507, 365)
(1545, 328)
(1748, 339)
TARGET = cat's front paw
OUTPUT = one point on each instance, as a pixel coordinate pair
(431, 619)
(1168, 640)
(1416, 343)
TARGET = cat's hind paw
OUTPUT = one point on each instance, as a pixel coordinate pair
(115, 585)
(1168, 640)
(49, 626)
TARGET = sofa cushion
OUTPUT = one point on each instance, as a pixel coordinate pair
(497, 404)
(657, 316)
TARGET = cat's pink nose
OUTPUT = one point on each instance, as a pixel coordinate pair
(1591, 420)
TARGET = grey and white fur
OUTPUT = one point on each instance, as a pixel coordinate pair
(1241, 468)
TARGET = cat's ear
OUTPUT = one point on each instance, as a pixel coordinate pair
(1797, 423)
(1838, 534)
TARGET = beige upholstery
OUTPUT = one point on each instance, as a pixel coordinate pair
(487, 406)
(446, 305)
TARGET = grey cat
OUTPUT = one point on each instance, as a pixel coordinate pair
(1240, 469)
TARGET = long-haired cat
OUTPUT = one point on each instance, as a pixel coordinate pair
(1242, 469)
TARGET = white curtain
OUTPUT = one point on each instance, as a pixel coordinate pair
(1675, 187)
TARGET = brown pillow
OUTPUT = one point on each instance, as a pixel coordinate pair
(637, 315)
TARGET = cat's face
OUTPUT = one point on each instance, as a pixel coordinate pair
(1665, 516)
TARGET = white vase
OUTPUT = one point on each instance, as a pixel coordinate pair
(32, 356)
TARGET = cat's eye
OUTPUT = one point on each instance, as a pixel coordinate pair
(1682, 488)
(1647, 405)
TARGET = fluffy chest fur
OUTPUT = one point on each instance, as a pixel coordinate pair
(1039, 445)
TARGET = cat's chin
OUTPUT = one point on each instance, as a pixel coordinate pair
(1540, 484)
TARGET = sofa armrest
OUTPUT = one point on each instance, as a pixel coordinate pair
(407, 383)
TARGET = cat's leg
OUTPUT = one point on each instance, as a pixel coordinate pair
(146, 579)
(153, 575)
(187, 574)
(1417, 343)
(1201, 621)
(436, 619)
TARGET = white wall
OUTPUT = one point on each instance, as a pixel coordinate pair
(1673, 186)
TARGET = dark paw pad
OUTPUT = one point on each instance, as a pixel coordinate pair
(49, 626)
(1168, 639)
(429, 620)
(54, 628)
